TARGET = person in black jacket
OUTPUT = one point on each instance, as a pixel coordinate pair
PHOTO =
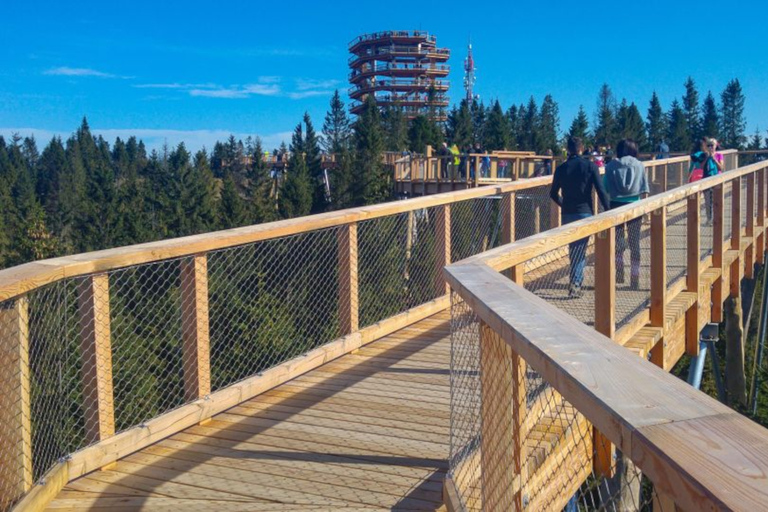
(572, 187)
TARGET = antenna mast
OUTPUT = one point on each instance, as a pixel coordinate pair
(469, 73)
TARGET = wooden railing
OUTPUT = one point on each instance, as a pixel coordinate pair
(698, 453)
(416, 174)
(29, 297)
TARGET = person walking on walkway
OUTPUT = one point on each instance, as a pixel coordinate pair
(572, 187)
(626, 182)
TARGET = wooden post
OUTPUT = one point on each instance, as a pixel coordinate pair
(749, 255)
(605, 323)
(442, 246)
(477, 170)
(760, 220)
(736, 213)
(693, 273)
(605, 282)
(348, 287)
(196, 345)
(96, 349)
(718, 248)
(15, 414)
(658, 266)
(502, 404)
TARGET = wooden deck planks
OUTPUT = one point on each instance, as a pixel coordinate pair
(368, 431)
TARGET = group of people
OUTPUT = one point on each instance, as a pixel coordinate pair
(625, 181)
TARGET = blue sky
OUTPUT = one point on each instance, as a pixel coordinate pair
(197, 71)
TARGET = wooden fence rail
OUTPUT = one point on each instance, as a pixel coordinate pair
(699, 454)
(104, 444)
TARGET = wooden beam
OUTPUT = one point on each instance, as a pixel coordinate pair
(500, 435)
(15, 414)
(693, 274)
(96, 350)
(658, 266)
(348, 278)
(605, 323)
(605, 282)
(750, 230)
(718, 250)
(46, 490)
(442, 246)
(736, 213)
(700, 452)
(196, 345)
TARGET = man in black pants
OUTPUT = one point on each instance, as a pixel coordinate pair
(575, 179)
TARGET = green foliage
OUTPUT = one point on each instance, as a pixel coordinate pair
(460, 129)
(371, 182)
(710, 119)
(396, 137)
(337, 130)
(548, 126)
(677, 129)
(732, 121)
(423, 132)
(605, 118)
(691, 109)
(656, 123)
(580, 126)
(296, 193)
(496, 129)
(630, 124)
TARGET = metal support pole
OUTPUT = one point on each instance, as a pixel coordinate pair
(716, 371)
(696, 369)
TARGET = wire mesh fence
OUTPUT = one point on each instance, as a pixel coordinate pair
(633, 286)
(522, 446)
(677, 241)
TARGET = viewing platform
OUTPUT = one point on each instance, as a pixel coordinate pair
(413, 355)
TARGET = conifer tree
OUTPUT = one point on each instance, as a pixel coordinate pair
(529, 128)
(656, 123)
(313, 159)
(336, 128)
(461, 130)
(580, 126)
(423, 132)
(732, 121)
(549, 125)
(691, 109)
(341, 178)
(296, 192)
(371, 182)
(677, 131)
(496, 129)
(605, 118)
(260, 186)
(395, 129)
(513, 122)
(478, 112)
(630, 124)
(710, 120)
(232, 212)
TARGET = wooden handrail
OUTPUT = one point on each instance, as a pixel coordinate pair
(507, 256)
(697, 451)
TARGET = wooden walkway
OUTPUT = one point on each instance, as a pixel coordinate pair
(368, 431)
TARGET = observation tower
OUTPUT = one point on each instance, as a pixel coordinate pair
(400, 68)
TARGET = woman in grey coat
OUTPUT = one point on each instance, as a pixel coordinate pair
(626, 182)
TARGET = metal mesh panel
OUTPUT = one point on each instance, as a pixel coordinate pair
(744, 201)
(706, 231)
(271, 301)
(633, 264)
(146, 341)
(556, 277)
(539, 451)
(476, 226)
(533, 211)
(677, 259)
(398, 264)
